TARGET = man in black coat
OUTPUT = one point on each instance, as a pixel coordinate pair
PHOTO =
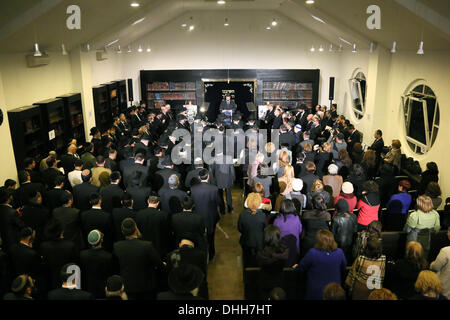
(68, 159)
(112, 194)
(287, 137)
(68, 291)
(206, 200)
(96, 218)
(49, 175)
(110, 162)
(167, 171)
(192, 176)
(223, 176)
(138, 260)
(10, 222)
(378, 145)
(354, 137)
(120, 214)
(30, 164)
(154, 226)
(70, 220)
(22, 194)
(129, 171)
(189, 224)
(36, 216)
(54, 196)
(184, 282)
(83, 192)
(169, 196)
(96, 264)
(25, 260)
(56, 252)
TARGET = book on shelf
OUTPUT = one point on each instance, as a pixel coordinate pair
(155, 86)
(286, 86)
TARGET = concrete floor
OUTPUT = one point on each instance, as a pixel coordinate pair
(225, 271)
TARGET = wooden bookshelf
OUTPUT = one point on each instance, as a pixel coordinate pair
(289, 94)
(103, 114)
(74, 115)
(123, 98)
(175, 92)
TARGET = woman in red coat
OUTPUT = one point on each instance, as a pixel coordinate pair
(368, 205)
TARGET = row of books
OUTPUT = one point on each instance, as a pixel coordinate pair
(287, 95)
(172, 96)
(291, 104)
(286, 86)
(171, 86)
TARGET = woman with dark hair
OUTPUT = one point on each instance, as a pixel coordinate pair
(373, 230)
(357, 153)
(368, 205)
(318, 189)
(344, 163)
(429, 175)
(357, 177)
(369, 164)
(314, 220)
(344, 226)
(401, 201)
(434, 192)
(272, 258)
(401, 275)
(367, 272)
(323, 264)
(291, 227)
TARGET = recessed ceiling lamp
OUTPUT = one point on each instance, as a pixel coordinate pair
(226, 24)
(191, 27)
(135, 4)
(221, 2)
(309, 1)
(148, 49)
(64, 52)
(321, 48)
(129, 49)
(183, 25)
(37, 53)
(274, 22)
(420, 51)
(312, 49)
(268, 28)
(394, 47)
(354, 48)
(137, 21)
(119, 50)
(140, 48)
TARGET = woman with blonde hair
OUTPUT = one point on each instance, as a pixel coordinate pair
(283, 160)
(394, 156)
(401, 275)
(428, 286)
(288, 177)
(265, 202)
(251, 224)
(317, 189)
(422, 222)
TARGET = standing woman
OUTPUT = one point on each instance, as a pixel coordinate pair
(251, 225)
(313, 221)
(283, 160)
(318, 189)
(368, 205)
(323, 264)
(369, 164)
(291, 227)
(288, 177)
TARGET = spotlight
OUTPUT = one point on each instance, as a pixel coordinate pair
(394, 47)
(354, 48)
(221, 2)
(64, 52)
(202, 109)
(274, 22)
(191, 28)
(321, 48)
(148, 49)
(226, 24)
(420, 51)
(37, 53)
(184, 25)
(312, 49)
(119, 50)
(140, 48)
(268, 28)
(135, 4)
(309, 1)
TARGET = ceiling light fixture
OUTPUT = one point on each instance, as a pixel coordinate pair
(309, 1)
(184, 25)
(268, 28)
(354, 48)
(64, 52)
(318, 19)
(135, 4)
(420, 51)
(343, 40)
(192, 27)
(274, 22)
(221, 2)
(312, 49)
(37, 53)
(321, 48)
(340, 48)
(137, 21)
(148, 49)
(226, 24)
(394, 47)
(119, 50)
(140, 48)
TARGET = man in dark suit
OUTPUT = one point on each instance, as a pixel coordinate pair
(138, 165)
(30, 164)
(10, 223)
(68, 291)
(110, 162)
(154, 225)
(82, 192)
(135, 119)
(53, 196)
(138, 260)
(168, 194)
(378, 145)
(192, 176)
(22, 194)
(278, 120)
(49, 175)
(68, 159)
(223, 176)
(56, 252)
(227, 104)
(189, 224)
(300, 117)
(112, 194)
(354, 137)
(287, 137)
(70, 220)
(315, 130)
(206, 200)
(119, 214)
(96, 218)
(25, 260)
(96, 265)
(167, 171)
(36, 216)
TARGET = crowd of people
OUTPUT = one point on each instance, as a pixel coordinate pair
(138, 226)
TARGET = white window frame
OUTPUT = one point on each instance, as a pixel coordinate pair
(357, 81)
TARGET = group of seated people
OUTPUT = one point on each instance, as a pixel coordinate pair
(140, 227)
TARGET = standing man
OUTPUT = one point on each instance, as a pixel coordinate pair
(378, 145)
(228, 104)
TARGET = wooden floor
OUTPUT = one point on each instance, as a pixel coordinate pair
(225, 271)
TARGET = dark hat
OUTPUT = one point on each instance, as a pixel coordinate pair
(342, 206)
(227, 95)
(251, 117)
(128, 227)
(185, 278)
(94, 131)
(114, 283)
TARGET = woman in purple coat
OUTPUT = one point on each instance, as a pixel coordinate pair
(323, 264)
(291, 227)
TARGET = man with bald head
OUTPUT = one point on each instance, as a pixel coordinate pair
(83, 192)
(68, 159)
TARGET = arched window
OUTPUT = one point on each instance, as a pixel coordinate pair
(358, 94)
(421, 115)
